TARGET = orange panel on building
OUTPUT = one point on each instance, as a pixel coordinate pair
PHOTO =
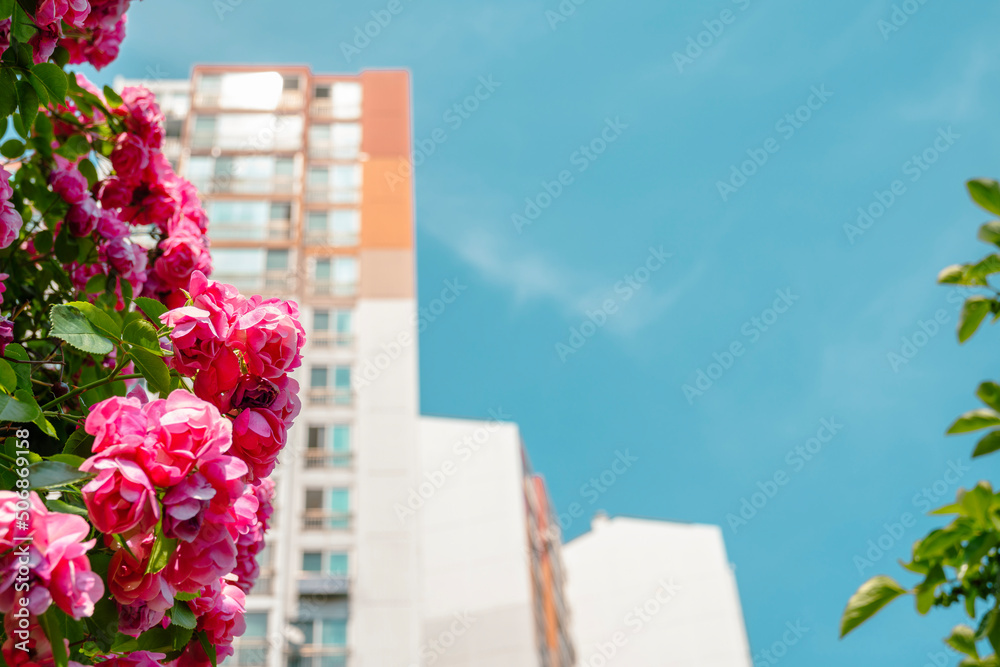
(386, 113)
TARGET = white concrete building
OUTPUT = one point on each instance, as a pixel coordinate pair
(652, 593)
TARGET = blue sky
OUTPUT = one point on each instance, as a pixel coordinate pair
(889, 96)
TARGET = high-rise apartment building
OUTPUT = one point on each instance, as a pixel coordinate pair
(301, 177)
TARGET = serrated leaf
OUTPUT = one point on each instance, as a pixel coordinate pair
(50, 474)
(27, 101)
(152, 308)
(181, 615)
(23, 371)
(103, 322)
(974, 421)
(71, 325)
(153, 369)
(142, 333)
(53, 78)
(181, 595)
(13, 410)
(79, 443)
(873, 595)
(986, 193)
(8, 378)
(975, 309)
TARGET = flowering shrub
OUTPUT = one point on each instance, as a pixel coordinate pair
(142, 404)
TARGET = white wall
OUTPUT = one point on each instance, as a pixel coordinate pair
(477, 582)
(644, 593)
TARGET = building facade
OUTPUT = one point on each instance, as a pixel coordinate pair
(654, 593)
(304, 178)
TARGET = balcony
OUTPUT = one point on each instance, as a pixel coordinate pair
(229, 184)
(323, 520)
(324, 339)
(291, 100)
(271, 282)
(313, 583)
(253, 142)
(275, 230)
(327, 396)
(264, 584)
(330, 195)
(323, 107)
(327, 150)
(250, 652)
(318, 656)
(322, 237)
(320, 288)
(319, 458)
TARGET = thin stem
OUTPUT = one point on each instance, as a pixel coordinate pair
(93, 385)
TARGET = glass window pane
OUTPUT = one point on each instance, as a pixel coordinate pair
(316, 434)
(200, 167)
(314, 499)
(346, 100)
(312, 561)
(204, 124)
(319, 176)
(323, 270)
(256, 624)
(334, 632)
(318, 378)
(341, 438)
(321, 320)
(343, 321)
(209, 83)
(250, 90)
(277, 260)
(346, 140)
(346, 271)
(337, 564)
(339, 500)
(281, 210)
(333, 661)
(316, 221)
(236, 261)
(284, 166)
(320, 133)
(307, 630)
(322, 92)
(342, 377)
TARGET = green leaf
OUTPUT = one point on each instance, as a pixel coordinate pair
(153, 369)
(43, 242)
(13, 410)
(142, 333)
(974, 421)
(963, 640)
(8, 93)
(12, 149)
(66, 247)
(874, 594)
(26, 397)
(100, 319)
(27, 101)
(79, 443)
(990, 232)
(57, 505)
(54, 79)
(989, 444)
(181, 595)
(49, 474)
(79, 144)
(152, 308)
(163, 548)
(89, 171)
(8, 378)
(157, 640)
(986, 193)
(113, 99)
(23, 371)
(53, 630)
(96, 284)
(71, 325)
(976, 308)
(182, 615)
(989, 393)
(209, 648)
(951, 275)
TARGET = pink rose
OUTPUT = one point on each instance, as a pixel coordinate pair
(142, 115)
(129, 582)
(129, 157)
(270, 338)
(258, 436)
(185, 506)
(10, 224)
(182, 256)
(82, 218)
(67, 181)
(4, 35)
(184, 431)
(135, 659)
(136, 618)
(116, 421)
(224, 621)
(111, 227)
(121, 498)
(198, 336)
(198, 563)
(115, 193)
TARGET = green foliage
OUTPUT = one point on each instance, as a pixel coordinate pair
(959, 563)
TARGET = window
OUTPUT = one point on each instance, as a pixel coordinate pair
(312, 561)
(331, 327)
(252, 646)
(346, 141)
(346, 224)
(263, 584)
(281, 210)
(238, 219)
(277, 261)
(284, 167)
(173, 128)
(328, 446)
(335, 275)
(319, 378)
(320, 391)
(324, 643)
(346, 100)
(322, 92)
(316, 227)
(336, 564)
(290, 83)
(321, 320)
(346, 184)
(332, 563)
(204, 131)
(209, 84)
(327, 509)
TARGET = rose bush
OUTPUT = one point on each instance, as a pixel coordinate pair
(142, 404)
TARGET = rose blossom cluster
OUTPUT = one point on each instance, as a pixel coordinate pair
(44, 562)
(240, 352)
(144, 191)
(164, 470)
(91, 30)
